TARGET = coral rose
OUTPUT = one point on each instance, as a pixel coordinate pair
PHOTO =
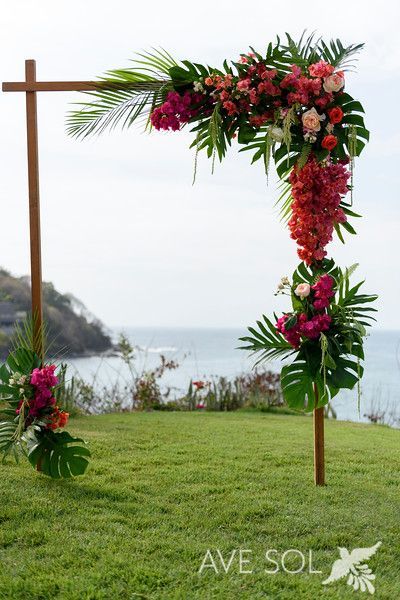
(329, 142)
(334, 82)
(311, 120)
(335, 114)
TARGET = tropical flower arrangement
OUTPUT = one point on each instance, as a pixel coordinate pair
(31, 420)
(289, 104)
(323, 329)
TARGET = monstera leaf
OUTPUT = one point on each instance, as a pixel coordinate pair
(297, 386)
(57, 455)
(300, 381)
(304, 388)
(7, 437)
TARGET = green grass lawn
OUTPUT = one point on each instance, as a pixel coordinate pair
(163, 488)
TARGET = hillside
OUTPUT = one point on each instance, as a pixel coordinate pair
(72, 330)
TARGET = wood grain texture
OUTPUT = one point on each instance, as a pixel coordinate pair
(34, 210)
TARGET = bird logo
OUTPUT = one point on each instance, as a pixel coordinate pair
(352, 564)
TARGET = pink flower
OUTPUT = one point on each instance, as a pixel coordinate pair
(44, 378)
(230, 107)
(312, 328)
(334, 82)
(303, 290)
(175, 111)
(320, 304)
(320, 69)
(323, 292)
(243, 85)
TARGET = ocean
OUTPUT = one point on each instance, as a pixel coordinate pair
(203, 353)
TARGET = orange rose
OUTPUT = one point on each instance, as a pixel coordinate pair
(329, 142)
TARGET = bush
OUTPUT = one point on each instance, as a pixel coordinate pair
(258, 389)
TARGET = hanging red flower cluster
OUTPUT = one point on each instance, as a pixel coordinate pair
(317, 191)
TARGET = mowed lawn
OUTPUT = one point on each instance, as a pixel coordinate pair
(163, 488)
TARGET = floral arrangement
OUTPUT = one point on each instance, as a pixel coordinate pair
(32, 420)
(289, 104)
(323, 330)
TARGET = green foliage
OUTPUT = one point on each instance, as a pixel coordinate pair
(266, 342)
(124, 95)
(259, 389)
(56, 454)
(8, 430)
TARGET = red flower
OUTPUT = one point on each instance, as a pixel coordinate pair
(317, 191)
(335, 114)
(199, 384)
(57, 419)
(329, 142)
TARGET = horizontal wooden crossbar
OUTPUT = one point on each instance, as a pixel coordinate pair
(66, 86)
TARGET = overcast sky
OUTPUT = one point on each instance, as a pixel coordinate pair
(123, 229)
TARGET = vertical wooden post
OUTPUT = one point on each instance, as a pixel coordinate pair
(319, 458)
(34, 210)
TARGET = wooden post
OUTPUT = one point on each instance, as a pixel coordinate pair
(30, 87)
(319, 458)
(34, 209)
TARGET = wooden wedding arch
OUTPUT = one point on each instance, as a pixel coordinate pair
(30, 87)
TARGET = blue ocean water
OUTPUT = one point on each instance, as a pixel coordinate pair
(204, 352)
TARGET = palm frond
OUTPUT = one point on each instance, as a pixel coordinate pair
(266, 342)
(123, 95)
(308, 50)
(338, 55)
(27, 335)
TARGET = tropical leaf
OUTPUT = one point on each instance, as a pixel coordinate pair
(266, 342)
(297, 386)
(22, 360)
(338, 55)
(124, 95)
(306, 274)
(8, 436)
(58, 455)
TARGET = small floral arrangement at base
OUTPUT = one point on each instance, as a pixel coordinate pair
(324, 329)
(31, 420)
